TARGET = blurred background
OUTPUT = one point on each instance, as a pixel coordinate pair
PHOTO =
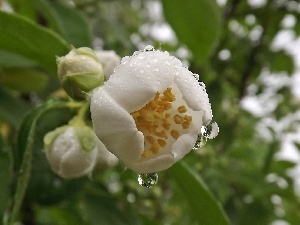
(247, 52)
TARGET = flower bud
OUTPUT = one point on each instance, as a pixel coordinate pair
(71, 151)
(109, 60)
(80, 72)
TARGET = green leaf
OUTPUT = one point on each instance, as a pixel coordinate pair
(196, 23)
(8, 59)
(72, 25)
(280, 62)
(12, 108)
(104, 209)
(281, 166)
(24, 80)
(203, 206)
(65, 20)
(21, 36)
(36, 123)
(5, 176)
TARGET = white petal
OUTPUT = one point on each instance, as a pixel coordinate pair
(183, 145)
(139, 77)
(109, 60)
(152, 165)
(115, 127)
(194, 94)
(77, 163)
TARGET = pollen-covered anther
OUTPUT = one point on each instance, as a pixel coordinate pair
(187, 120)
(154, 121)
(146, 153)
(181, 109)
(178, 119)
(175, 134)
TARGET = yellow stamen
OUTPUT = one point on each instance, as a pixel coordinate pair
(181, 109)
(178, 119)
(155, 119)
(161, 142)
(175, 134)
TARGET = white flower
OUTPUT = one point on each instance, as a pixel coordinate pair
(150, 111)
(71, 152)
(109, 60)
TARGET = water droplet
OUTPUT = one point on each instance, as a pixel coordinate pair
(147, 180)
(155, 60)
(141, 71)
(200, 143)
(196, 76)
(211, 130)
(136, 53)
(201, 84)
(156, 69)
(149, 48)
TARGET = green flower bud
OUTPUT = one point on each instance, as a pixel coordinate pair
(80, 72)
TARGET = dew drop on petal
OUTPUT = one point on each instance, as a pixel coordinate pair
(196, 76)
(149, 48)
(200, 143)
(147, 180)
(211, 130)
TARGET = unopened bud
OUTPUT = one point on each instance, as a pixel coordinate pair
(80, 72)
(71, 151)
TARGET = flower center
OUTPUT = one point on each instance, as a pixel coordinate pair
(159, 120)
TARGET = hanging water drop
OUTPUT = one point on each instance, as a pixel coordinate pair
(147, 180)
(200, 143)
(211, 130)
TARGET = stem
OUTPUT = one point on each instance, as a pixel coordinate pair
(79, 118)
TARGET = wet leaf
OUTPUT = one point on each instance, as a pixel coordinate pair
(36, 122)
(196, 23)
(104, 209)
(203, 206)
(36, 43)
(6, 175)
(24, 80)
(66, 21)
(12, 108)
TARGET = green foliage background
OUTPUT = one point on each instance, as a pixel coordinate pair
(235, 179)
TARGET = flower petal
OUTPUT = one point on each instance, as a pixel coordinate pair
(115, 127)
(194, 94)
(138, 78)
(109, 60)
(152, 165)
